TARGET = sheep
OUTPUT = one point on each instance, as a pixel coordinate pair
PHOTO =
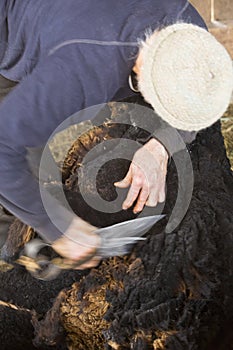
(173, 291)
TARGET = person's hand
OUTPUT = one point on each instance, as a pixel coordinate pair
(146, 177)
(79, 244)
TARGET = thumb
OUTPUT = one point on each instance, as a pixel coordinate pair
(125, 182)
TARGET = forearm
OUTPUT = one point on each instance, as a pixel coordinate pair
(56, 89)
(28, 115)
(147, 124)
(20, 194)
(174, 140)
(188, 136)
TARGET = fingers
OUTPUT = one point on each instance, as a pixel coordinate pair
(89, 264)
(162, 194)
(142, 199)
(157, 194)
(144, 192)
(78, 245)
(146, 177)
(81, 264)
(149, 198)
(133, 192)
(134, 188)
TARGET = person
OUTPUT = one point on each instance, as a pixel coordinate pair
(57, 58)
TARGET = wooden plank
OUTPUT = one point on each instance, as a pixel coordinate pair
(224, 35)
(203, 7)
(223, 10)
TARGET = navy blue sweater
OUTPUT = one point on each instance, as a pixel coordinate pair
(66, 56)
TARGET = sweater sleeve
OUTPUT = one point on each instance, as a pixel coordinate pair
(29, 115)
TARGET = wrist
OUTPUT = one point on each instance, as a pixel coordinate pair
(80, 231)
(154, 145)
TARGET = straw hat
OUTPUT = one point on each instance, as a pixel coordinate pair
(186, 75)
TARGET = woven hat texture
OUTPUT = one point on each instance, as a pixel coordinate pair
(186, 75)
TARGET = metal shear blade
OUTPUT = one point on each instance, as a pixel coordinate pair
(116, 240)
